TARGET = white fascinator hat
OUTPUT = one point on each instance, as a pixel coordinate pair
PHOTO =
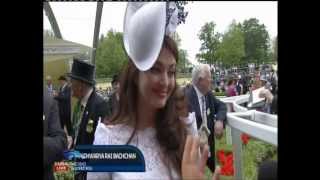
(145, 25)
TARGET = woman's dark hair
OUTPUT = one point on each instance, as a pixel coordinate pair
(230, 82)
(170, 131)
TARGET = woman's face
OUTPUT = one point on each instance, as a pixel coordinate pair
(156, 85)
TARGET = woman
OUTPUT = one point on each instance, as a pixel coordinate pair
(147, 118)
(147, 115)
(231, 88)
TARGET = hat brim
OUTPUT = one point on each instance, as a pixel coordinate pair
(142, 44)
(82, 79)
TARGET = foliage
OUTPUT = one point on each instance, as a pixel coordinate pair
(219, 94)
(182, 15)
(110, 57)
(243, 43)
(231, 50)
(183, 62)
(209, 43)
(256, 40)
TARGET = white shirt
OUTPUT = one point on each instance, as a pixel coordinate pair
(63, 86)
(200, 95)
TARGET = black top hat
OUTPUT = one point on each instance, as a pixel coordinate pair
(82, 71)
(62, 78)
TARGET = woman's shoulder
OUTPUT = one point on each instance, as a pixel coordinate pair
(111, 134)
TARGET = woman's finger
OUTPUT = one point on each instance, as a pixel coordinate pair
(195, 150)
(204, 158)
(187, 149)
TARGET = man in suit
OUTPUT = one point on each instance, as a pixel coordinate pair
(49, 86)
(64, 103)
(210, 112)
(54, 139)
(90, 108)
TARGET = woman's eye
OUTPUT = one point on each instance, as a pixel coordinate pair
(155, 70)
(172, 73)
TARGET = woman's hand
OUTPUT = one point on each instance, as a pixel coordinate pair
(193, 166)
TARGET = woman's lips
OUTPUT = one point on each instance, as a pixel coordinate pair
(160, 93)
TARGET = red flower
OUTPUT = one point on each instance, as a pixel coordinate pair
(245, 138)
(226, 162)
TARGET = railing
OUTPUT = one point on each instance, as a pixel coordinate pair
(260, 125)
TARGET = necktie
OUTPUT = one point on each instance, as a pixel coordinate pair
(204, 131)
(204, 117)
(76, 120)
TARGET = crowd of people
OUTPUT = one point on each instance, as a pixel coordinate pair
(174, 127)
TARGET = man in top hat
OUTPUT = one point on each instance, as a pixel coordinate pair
(64, 102)
(90, 107)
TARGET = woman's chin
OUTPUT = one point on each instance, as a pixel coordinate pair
(159, 104)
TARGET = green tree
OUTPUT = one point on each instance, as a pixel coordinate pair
(101, 38)
(256, 40)
(209, 43)
(231, 49)
(183, 62)
(275, 49)
(110, 57)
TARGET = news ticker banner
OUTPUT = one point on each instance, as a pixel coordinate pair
(102, 158)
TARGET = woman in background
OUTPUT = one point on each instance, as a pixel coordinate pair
(231, 88)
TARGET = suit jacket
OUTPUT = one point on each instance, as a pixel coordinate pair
(96, 108)
(64, 102)
(217, 111)
(54, 138)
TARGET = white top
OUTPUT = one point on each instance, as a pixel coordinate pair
(145, 141)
